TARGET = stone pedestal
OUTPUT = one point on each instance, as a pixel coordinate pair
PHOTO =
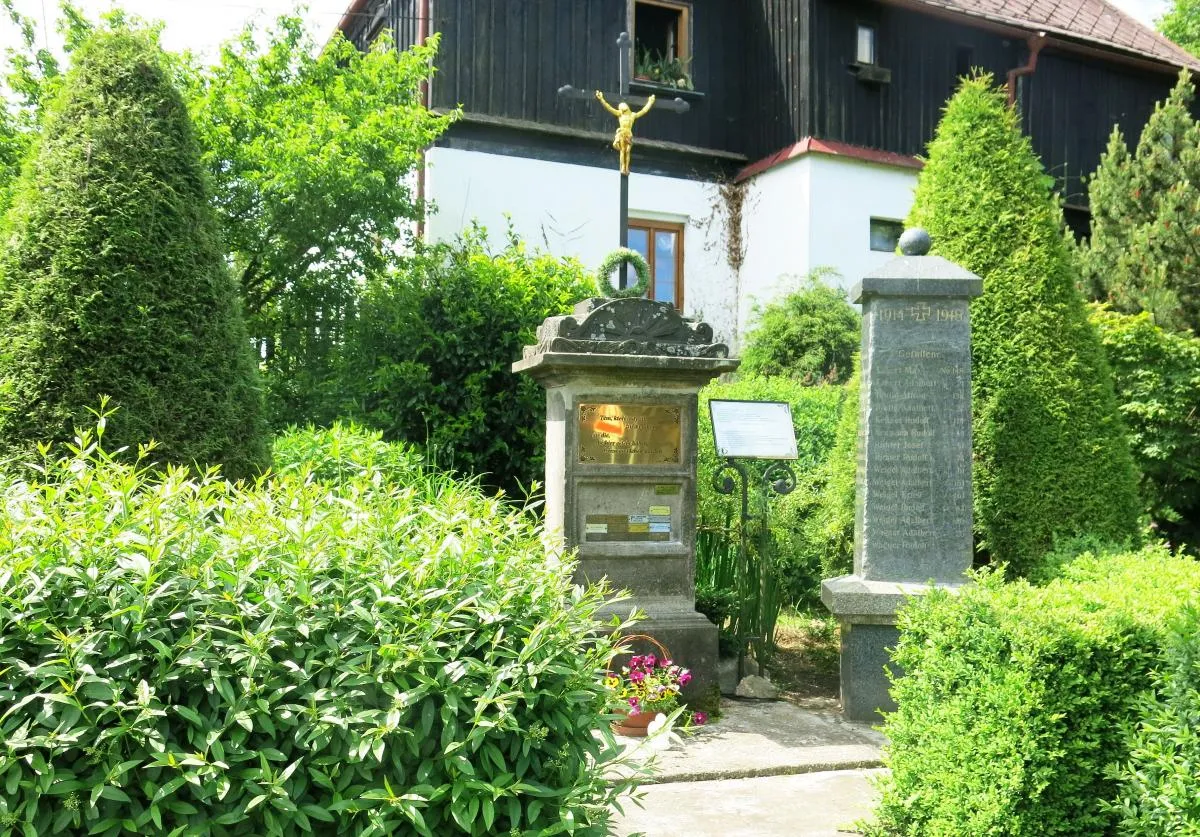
(913, 500)
(621, 379)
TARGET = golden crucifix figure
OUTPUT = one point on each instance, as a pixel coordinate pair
(623, 140)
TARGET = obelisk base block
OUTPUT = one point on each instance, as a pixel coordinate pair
(866, 612)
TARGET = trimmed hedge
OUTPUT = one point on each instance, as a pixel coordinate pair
(1051, 455)
(1160, 783)
(179, 654)
(114, 279)
(1016, 700)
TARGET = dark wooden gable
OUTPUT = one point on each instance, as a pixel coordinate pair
(769, 73)
(507, 58)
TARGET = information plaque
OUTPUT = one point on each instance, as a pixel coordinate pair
(630, 434)
(753, 429)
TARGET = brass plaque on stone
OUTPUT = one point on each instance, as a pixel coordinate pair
(630, 434)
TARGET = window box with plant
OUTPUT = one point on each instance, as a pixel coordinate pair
(661, 69)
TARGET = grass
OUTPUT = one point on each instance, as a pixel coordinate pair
(805, 663)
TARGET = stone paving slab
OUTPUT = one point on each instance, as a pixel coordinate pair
(768, 738)
(822, 804)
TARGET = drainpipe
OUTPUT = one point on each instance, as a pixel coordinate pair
(422, 35)
(1035, 44)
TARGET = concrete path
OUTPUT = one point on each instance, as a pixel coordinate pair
(766, 768)
(824, 804)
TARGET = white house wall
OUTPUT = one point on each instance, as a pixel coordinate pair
(846, 194)
(776, 214)
(811, 212)
(572, 210)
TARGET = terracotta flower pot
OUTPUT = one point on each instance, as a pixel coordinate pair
(634, 725)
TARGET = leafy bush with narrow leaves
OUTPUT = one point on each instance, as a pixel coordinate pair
(1051, 455)
(343, 453)
(113, 279)
(429, 358)
(1160, 783)
(815, 414)
(1016, 699)
(183, 655)
(1156, 374)
(811, 334)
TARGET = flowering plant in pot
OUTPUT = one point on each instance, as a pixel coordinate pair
(648, 686)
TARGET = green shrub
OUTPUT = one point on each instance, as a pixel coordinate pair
(828, 530)
(815, 412)
(429, 360)
(1157, 378)
(810, 334)
(343, 453)
(1016, 699)
(180, 654)
(114, 280)
(1141, 253)
(1160, 784)
(1051, 455)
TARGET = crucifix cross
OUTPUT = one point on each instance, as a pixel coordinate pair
(626, 116)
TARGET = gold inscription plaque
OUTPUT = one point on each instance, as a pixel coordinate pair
(629, 434)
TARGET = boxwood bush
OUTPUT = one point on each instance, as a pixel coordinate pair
(1017, 699)
(1160, 784)
(182, 655)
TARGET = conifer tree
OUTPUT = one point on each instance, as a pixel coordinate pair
(114, 280)
(1051, 457)
(1144, 250)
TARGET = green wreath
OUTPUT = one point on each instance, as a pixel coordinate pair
(617, 258)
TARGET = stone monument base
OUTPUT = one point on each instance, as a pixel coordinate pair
(866, 613)
(689, 637)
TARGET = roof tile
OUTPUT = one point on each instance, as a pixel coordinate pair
(1095, 21)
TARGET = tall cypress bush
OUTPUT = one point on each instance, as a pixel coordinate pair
(114, 276)
(1051, 456)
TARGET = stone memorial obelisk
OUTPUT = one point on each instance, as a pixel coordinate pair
(621, 379)
(912, 526)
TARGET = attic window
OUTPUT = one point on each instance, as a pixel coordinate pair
(866, 44)
(661, 30)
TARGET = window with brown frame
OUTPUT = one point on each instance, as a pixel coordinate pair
(662, 30)
(661, 243)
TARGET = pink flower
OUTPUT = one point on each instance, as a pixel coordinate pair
(633, 703)
(637, 676)
(685, 678)
(650, 660)
(699, 718)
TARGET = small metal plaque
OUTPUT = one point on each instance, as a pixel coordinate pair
(753, 429)
(630, 434)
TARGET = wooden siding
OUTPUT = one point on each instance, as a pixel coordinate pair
(1070, 106)
(398, 16)
(771, 73)
(922, 53)
(507, 58)
(777, 53)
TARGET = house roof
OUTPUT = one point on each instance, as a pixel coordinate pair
(1093, 21)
